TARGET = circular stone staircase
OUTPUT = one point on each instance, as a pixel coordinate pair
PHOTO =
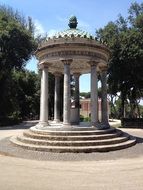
(75, 140)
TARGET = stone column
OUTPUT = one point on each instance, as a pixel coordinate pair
(67, 93)
(94, 94)
(57, 98)
(104, 111)
(76, 98)
(44, 97)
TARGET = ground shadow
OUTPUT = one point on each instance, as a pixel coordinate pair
(139, 139)
(23, 125)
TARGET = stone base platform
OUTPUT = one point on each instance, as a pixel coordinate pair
(73, 139)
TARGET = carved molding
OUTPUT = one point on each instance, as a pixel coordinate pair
(66, 61)
(104, 68)
(57, 74)
(93, 62)
(73, 53)
(43, 66)
(76, 74)
(78, 42)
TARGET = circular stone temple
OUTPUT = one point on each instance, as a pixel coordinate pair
(73, 52)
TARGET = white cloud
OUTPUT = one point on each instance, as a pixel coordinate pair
(51, 32)
(39, 29)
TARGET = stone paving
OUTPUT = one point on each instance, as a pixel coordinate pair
(112, 170)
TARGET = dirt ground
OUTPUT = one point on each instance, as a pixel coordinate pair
(27, 174)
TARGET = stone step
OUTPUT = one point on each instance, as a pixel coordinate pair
(24, 139)
(77, 137)
(71, 131)
(75, 149)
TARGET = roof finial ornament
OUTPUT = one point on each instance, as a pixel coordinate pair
(73, 22)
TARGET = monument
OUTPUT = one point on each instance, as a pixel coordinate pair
(75, 52)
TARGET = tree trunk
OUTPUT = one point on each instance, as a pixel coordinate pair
(113, 106)
(122, 105)
(138, 108)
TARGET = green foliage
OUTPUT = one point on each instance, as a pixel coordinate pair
(16, 40)
(84, 119)
(135, 11)
(25, 94)
(141, 110)
(22, 95)
(17, 45)
(5, 121)
(85, 94)
(87, 119)
(125, 39)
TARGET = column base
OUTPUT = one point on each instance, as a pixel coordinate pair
(95, 125)
(56, 121)
(66, 125)
(42, 124)
(104, 126)
(75, 123)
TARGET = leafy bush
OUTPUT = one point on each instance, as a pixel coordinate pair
(132, 122)
(81, 118)
(6, 121)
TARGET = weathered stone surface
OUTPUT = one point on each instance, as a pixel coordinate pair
(57, 98)
(67, 93)
(94, 94)
(44, 98)
(104, 111)
(75, 140)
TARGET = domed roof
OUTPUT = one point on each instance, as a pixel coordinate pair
(72, 44)
(73, 31)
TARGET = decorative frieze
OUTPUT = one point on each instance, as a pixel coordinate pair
(72, 53)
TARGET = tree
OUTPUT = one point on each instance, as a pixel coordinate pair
(17, 45)
(85, 94)
(125, 39)
(25, 94)
(16, 40)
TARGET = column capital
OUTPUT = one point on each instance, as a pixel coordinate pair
(93, 62)
(43, 66)
(66, 61)
(57, 74)
(104, 68)
(76, 74)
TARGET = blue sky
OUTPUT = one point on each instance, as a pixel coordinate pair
(52, 15)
